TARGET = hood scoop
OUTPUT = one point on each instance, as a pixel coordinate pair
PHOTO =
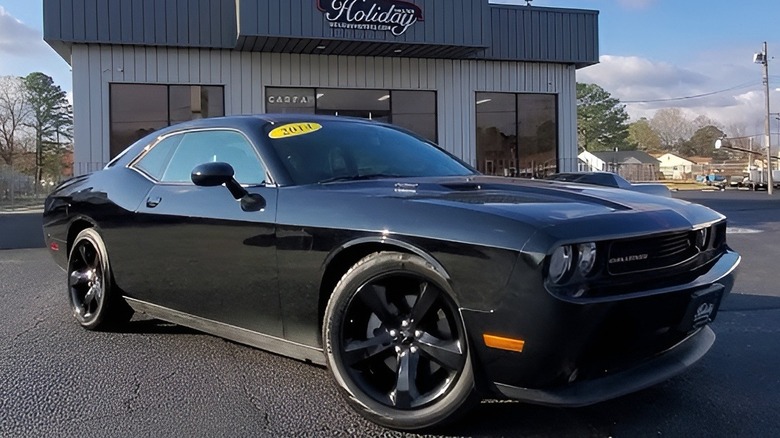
(463, 186)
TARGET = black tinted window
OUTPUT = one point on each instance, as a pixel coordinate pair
(351, 150)
(154, 162)
(211, 146)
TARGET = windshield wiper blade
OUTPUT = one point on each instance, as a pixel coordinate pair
(359, 177)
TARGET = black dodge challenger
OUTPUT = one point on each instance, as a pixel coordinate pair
(421, 284)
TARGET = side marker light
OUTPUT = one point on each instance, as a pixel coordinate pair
(503, 343)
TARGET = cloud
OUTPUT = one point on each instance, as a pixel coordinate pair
(733, 94)
(16, 38)
(636, 4)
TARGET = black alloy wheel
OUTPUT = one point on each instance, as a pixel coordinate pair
(90, 284)
(396, 343)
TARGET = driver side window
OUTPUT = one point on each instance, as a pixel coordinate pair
(195, 148)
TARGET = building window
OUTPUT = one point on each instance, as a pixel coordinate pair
(413, 110)
(517, 134)
(138, 109)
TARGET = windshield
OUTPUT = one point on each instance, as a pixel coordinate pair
(342, 151)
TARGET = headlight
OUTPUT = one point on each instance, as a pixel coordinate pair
(560, 263)
(586, 256)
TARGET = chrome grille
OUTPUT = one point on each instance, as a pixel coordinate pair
(635, 255)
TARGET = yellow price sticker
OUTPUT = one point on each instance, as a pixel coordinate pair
(294, 129)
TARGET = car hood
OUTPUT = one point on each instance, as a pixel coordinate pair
(564, 211)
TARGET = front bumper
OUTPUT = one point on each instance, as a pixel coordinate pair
(651, 372)
(580, 353)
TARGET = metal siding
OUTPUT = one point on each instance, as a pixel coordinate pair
(52, 27)
(193, 23)
(91, 20)
(510, 32)
(66, 20)
(246, 75)
(82, 118)
(137, 20)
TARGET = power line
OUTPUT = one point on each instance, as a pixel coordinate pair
(696, 96)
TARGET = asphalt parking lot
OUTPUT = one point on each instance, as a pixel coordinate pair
(157, 379)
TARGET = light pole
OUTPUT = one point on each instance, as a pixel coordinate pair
(761, 58)
(777, 117)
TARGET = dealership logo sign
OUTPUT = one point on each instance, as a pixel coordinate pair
(394, 16)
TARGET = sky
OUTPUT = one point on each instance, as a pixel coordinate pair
(653, 54)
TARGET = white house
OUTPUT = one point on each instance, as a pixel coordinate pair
(674, 167)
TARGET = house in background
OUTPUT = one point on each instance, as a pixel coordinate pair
(675, 167)
(631, 165)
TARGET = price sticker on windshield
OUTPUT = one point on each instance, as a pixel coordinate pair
(294, 129)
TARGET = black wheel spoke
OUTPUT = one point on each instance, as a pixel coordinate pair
(78, 278)
(425, 301)
(83, 254)
(89, 298)
(406, 391)
(358, 351)
(448, 354)
(375, 297)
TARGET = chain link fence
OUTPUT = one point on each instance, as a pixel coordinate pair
(19, 191)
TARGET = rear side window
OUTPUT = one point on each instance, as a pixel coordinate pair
(174, 158)
(155, 161)
(201, 147)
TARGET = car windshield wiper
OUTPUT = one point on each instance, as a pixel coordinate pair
(359, 177)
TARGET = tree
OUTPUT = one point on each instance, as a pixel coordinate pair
(644, 136)
(50, 117)
(14, 111)
(601, 120)
(702, 142)
(672, 127)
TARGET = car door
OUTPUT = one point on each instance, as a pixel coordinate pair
(198, 252)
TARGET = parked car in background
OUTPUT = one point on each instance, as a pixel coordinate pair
(716, 180)
(421, 284)
(609, 179)
(736, 181)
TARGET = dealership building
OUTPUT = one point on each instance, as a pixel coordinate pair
(493, 84)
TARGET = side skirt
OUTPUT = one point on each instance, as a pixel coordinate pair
(233, 333)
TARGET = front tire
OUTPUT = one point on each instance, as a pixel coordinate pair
(396, 344)
(94, 299)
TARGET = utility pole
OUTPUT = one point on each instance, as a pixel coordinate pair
(762, 58)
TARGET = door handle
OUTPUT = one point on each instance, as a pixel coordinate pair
(153, 202)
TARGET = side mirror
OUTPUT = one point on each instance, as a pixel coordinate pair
(217, 174)
(212, 174)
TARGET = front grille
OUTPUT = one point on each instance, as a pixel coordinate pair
(635, 255)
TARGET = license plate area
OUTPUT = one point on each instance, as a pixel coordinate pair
(702, 308)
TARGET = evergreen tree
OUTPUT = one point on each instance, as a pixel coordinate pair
(51, 118)
(601, 120)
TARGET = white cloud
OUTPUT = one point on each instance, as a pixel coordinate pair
(16, 38)
(636, 4)
(647, 86)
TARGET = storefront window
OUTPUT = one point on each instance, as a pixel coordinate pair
(413, 110)
(139, 109)
(516, 134)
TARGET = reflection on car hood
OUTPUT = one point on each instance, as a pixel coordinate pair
(565, 210)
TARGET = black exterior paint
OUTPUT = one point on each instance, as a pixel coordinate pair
(454, 29)
(271, 272)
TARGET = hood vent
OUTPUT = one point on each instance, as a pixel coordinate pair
(463, 186)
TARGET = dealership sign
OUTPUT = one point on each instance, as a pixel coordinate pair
(394, 16)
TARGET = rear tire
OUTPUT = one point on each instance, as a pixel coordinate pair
(396, 344)
(94, 299)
